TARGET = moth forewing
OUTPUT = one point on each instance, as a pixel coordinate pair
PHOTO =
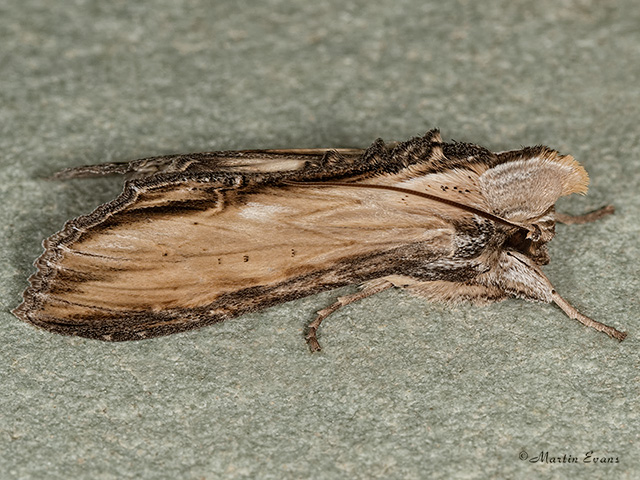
(200, 238)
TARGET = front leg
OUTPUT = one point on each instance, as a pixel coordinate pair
(571, 311)
(585, 218)
(519, 276)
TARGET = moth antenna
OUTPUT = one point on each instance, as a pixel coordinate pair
(533, 233)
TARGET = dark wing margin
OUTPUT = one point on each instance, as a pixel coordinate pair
(165, 182)
(378, 158)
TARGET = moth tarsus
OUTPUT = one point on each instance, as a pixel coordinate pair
(200, 238)
(573, 313)
(370, 288)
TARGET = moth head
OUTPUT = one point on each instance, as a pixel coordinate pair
(523, 188)
(532, 243)
(525, 185)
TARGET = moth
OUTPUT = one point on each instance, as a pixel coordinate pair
(200, 238)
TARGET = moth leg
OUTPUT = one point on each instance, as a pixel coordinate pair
(585, 218)
(370, 288)
(518, 276)
(574, 314)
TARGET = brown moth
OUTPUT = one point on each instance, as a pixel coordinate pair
(196, 239)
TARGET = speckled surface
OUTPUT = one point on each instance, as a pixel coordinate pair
(403, 388)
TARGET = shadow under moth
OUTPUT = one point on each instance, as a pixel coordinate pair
(200, 238)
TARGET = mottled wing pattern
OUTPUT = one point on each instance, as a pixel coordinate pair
(195, 239)
(180, 250)
(243, 161)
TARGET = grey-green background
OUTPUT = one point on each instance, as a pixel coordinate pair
(403, 388)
